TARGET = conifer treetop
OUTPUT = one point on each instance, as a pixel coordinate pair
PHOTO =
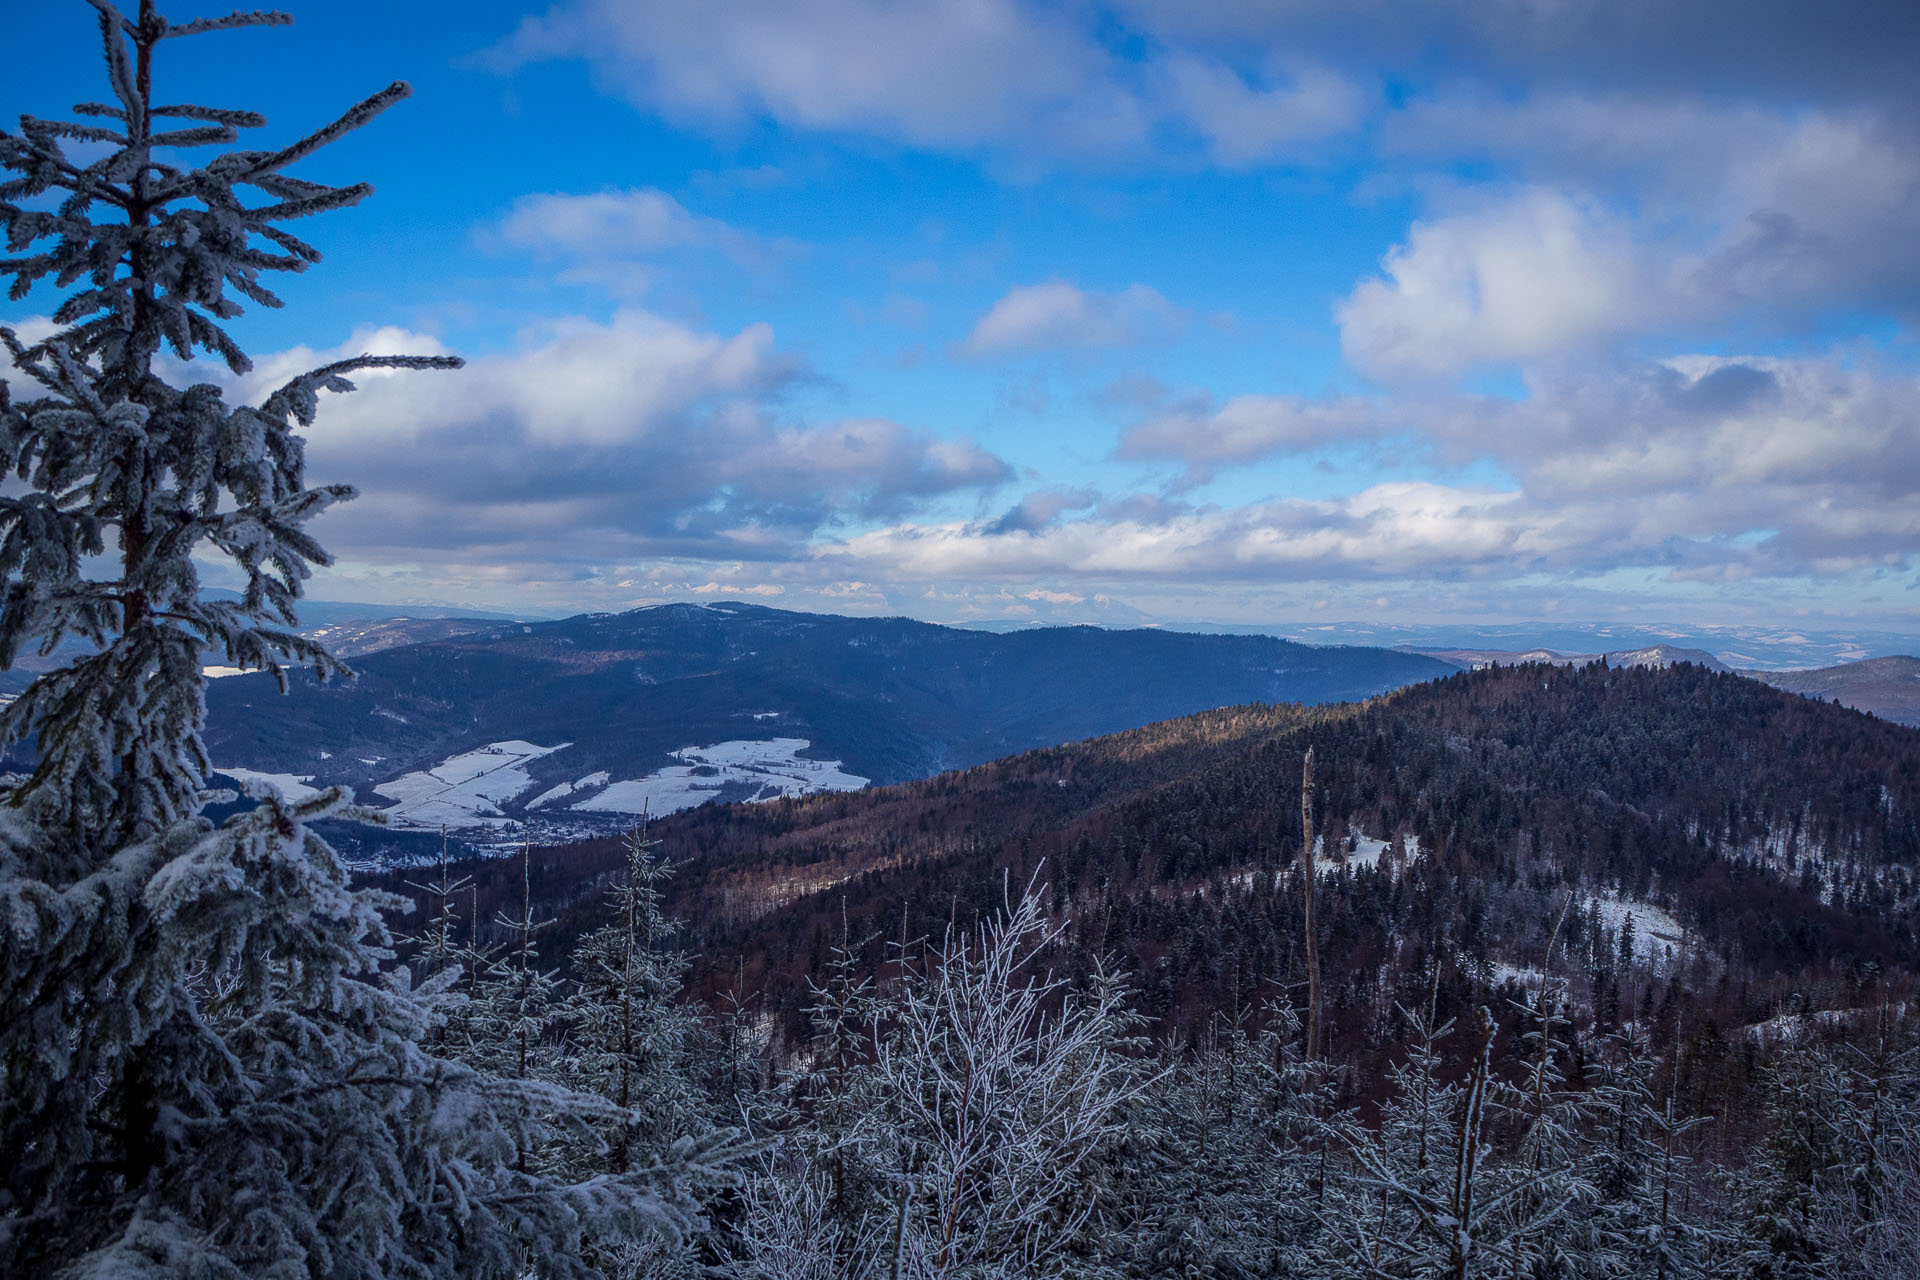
(127, 476)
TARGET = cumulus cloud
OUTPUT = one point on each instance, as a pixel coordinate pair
(1248, 428)
(736, 589)
(1244, 123)
(1397, 528)
(1618, 216)
(935, 74)
(1712, 209)
(609, 223)
(1537, 274)
(1035, 80)
(1057, 315)
(598, 443)
(616, 239)
(1042, 507)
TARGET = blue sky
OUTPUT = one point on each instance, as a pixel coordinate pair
(1140, 311)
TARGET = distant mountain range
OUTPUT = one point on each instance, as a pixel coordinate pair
(580, 720)
(1658, 655)
(347, 629)
(1887, 687)
(476, 720)
(1742, 647)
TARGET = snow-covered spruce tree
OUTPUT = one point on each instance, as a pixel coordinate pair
(204, 1068)
(442, 960)
(1371, 1230)
(994, 1088)
(513, 1009)
(1552, 1118)
(1778, 1194)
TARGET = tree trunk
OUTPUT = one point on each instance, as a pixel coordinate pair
(1310, 878)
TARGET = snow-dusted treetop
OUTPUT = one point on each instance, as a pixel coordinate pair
(127, 476)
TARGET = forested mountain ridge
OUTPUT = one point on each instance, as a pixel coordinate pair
(892, 698)
(1781, 835)
(1888, 687)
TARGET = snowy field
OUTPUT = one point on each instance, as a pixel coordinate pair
(1789, 1027)
(772, 768)
(1657, 939)
(465, 791)
(472, 789)
(565, 789)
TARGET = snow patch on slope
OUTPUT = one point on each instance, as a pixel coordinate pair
(1501, 973)
(774, 768)
(1366, 852)
(1657, 936)
(465, 791)
(598, 778)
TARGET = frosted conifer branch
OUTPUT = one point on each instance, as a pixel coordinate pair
(213, 115)
(359, 114)
(113, 18)
(233, 21)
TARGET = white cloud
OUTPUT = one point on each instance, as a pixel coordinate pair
(610, 223)
(737, 589)
(1395, 528)
(1630, 217)
(931, 74)
(1698, 467)
(1057, 315)
(1537, 274)
(1044, 506)
(574, 384)
(596, 443)
(1249, 428)
(617, 240)
(1245, 124)
(1032, 80)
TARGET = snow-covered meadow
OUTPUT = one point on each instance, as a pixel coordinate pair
(466, 790)
(773, 768)
(475, 789)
